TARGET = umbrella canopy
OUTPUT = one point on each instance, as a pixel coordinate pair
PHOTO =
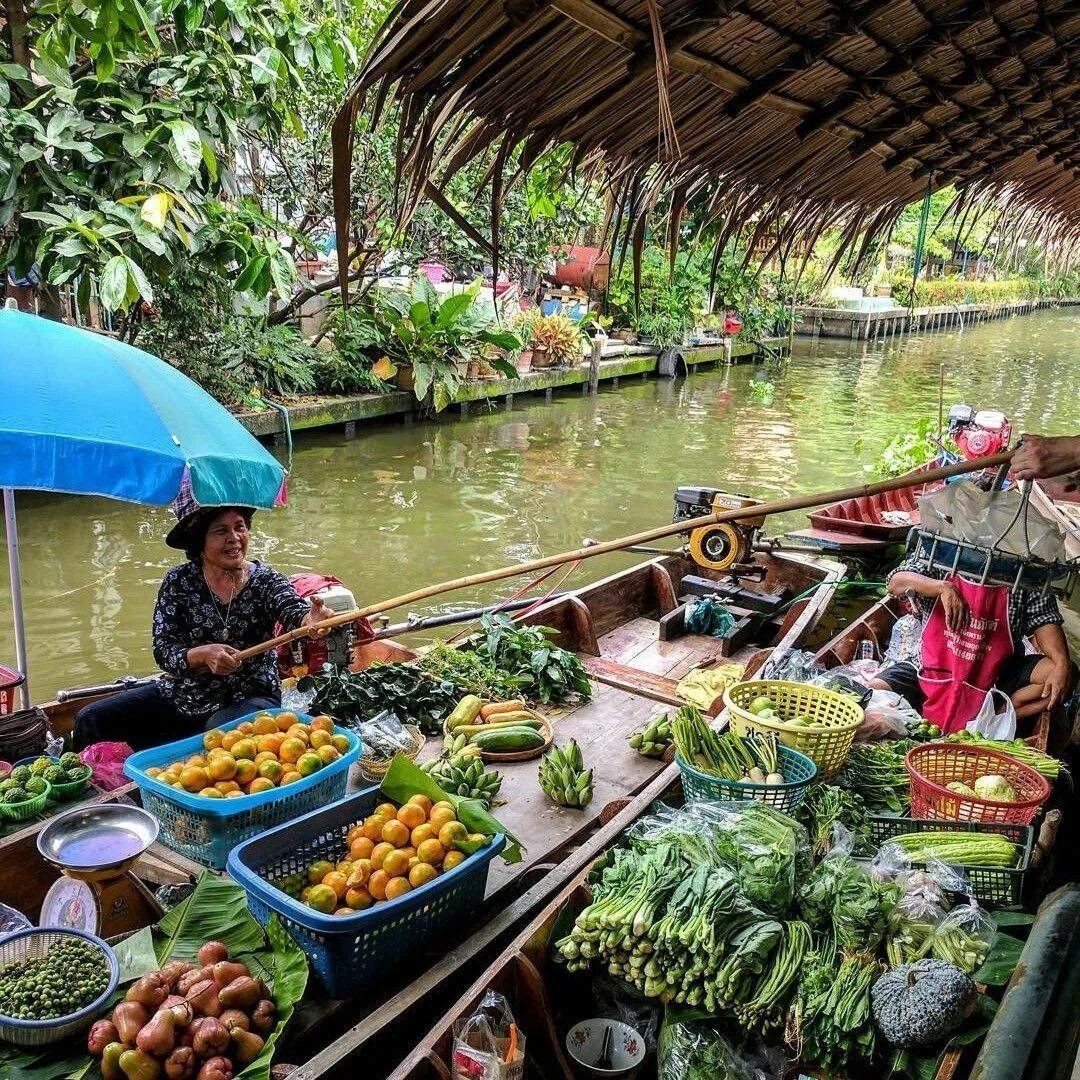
(86, 414)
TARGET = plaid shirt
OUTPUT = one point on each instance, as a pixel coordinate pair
(1028, 610)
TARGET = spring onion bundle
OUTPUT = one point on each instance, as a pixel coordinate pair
(751, 759)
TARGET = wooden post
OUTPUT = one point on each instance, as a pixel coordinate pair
(595, 353)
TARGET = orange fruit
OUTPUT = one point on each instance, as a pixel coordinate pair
(396, 863)
(230, 739)
(322, 723)
(361, 847)
(354, 831)
(268, 744)
(221, 762)
(344, 867)
(377, 884)
(362, 870)
(305, 892)
(264, 724)
(225, 786)
(154, 771)
(212, 738)
(290, 777)
(291, 749)
(413, 861)
(308, 763)
(237, 794)
(284, 721)
(327, 754)
(194, 778)
(338, 882)
(340, 743)
(394, 832)
(319, 738)
(411, 815)
(260, 783)
(298, 731)
(423, 802)
(440, 816)
(197, 761)
(246, 771)
(211, 793)
(385, 810)
(344, 910)
(373, 828)
(272, 770)
(452, 859)
(318, 870)
(431, 851)
(451, 833)
(378, 853)
(244, 748)
(397, 886)
(322, 898)
(246, 727)
(421, 874)
(358, 899)
(421, 833)
(264, 755)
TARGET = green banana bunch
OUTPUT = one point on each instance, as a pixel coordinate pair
(654, 740)
(465, 775)
(563, 777)
(453, 745)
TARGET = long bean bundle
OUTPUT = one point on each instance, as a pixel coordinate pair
(876, 772)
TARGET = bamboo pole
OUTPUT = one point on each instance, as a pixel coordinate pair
(780, 506)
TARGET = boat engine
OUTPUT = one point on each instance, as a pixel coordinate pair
(308, 655)
(979, 433)
(727, 543)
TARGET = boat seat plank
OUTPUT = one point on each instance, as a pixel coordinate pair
(634, 680)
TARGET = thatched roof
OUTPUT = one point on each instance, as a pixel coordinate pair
(787, 113)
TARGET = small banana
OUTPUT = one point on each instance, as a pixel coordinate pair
(563, 778)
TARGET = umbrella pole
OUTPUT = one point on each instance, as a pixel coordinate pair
(16, 594)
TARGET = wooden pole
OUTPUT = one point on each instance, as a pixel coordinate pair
(595, 353)
(780, 506)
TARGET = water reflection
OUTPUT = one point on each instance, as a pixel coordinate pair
(403, 505)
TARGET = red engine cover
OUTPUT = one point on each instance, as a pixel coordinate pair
(312, 650)
(976, 442)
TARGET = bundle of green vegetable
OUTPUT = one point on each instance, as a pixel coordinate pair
(839, 892)
(1044, 763)
(697, 1050)
(824, 806)
(405, 690)
(750, 760)
(912, 925)
(876, 772)
(469, 672)
(959, 848)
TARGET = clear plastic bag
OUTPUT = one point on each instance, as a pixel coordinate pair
(617, 1001)
(886, 715)
(965, 937)
(701, 1048)
(912, 926)
(849, 679)
(891, 863)
(798, 665)
(488, 1044)
(905, 642)
(383, 736)
(297, 700)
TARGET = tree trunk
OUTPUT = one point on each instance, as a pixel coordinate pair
(18, 33)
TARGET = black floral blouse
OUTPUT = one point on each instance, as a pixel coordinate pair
(187, 614)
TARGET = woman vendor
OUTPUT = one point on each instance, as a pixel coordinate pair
(208, 609)
(972, 640)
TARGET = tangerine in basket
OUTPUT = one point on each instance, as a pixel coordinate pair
(451, 833)
(362, 870)
(411, 815)
(290, 777)
(441, 815)
(322, 898)
(340, 743)
(264, 755)
(244, 748)
(212, 738)
(291, 749)
(431, 851)
(284, 721)
(271, 769)
(423, 802)
(378, 853)
(288, 715)
(259, 784)
(396, 864)
(452, 859)
(322, 723)
(318, 738)
(338, 882)
(423, 832)
(237, 794)
(221, 766)
(360, 847)
(245, 728)
(421, 874)
(345, 866)
(327, 754)
(396, 833)
(230, 739)
(354, 831)
(194, 778)
(225, 786)
(397, 886)
(299, 731)
(358, 899)
(377, 884)
(385, 810)
(246, 771)
(373, 828)
(318, 870)
(264, 724)
(211, 793)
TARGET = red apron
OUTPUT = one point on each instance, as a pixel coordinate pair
(959, 668)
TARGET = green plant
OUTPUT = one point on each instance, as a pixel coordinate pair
(274, 357)
(910, 449)
(336, 374)
(559, 336)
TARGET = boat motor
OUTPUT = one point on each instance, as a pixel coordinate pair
(979, 433)
(307, 656)
(727, 543)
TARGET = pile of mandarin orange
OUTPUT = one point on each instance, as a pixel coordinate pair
(390, 853)
(259, 754)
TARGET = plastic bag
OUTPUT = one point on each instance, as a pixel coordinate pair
(905, 642)
(12, 921)
(886, 715)
(488, 1044)
(964, 937)
(107, 760)
(297, 700)
(617, 1001)
(992, 724)
(696, 1050)
(891, 863)
(384, 736)
(912, 926)
(798, 665)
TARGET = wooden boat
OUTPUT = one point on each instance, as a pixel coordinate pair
(1063, 507)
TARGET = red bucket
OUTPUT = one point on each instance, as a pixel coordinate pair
(10, 681)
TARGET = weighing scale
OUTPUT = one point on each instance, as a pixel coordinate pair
(95, 848)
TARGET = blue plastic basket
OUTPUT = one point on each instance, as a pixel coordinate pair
(206, 830)
(797, 768)
(349, 952)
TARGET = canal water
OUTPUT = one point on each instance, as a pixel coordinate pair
(402, 505)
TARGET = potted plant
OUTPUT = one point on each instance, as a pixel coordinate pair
(522, 325)
(555, 340)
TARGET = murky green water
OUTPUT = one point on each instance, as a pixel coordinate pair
(403, 505)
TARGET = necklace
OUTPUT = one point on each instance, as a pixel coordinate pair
(228, 607)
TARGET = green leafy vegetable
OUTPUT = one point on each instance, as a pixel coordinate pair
(876, 771)
(470, 672)
(826, 805)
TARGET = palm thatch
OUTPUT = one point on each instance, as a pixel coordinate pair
(786, 116)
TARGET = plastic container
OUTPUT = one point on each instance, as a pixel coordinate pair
(206, 830)
(62, 792)
(10, 681)
(993, 886)
(798, 768)
(834, 719)
(28, 808)
(350, 952)
(935, 764)
(27, 944)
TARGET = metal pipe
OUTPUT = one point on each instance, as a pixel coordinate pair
(16, 595)
(428, 622)
(125, 682)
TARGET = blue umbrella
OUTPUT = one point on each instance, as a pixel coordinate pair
(85, 414)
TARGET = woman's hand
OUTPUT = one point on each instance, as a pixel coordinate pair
(217, 659)
(954, 607)
(319, 613)
(1056, 684)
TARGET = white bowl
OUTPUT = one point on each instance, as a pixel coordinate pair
(585, 1040)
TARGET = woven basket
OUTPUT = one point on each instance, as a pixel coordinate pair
(28, 808)
(826, 740)
(935, 764)
(797, 769)
(374, 769)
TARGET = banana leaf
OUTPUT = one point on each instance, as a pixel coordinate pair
(215, 911)
(404, 779)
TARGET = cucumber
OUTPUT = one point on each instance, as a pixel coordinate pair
(508, 740)
(497, 725)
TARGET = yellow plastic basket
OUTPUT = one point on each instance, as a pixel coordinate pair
(833, 718)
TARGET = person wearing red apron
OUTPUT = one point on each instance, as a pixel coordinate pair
(973, 639)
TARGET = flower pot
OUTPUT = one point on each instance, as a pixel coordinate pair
(541, 358)
(524, 361)
(404, 379)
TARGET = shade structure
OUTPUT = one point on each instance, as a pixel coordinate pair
(83, 413)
